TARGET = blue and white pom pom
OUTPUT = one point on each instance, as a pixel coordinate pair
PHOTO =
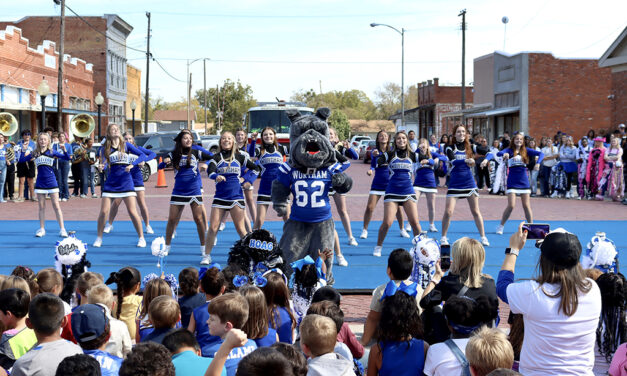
(425, 253)
(159, 250)
(601, 253)
(68, 252)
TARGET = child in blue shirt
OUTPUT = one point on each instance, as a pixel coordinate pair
(212, 284)
(186, 354)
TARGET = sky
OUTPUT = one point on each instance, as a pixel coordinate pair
(280, 47)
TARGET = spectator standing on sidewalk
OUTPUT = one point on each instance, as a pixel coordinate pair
(551, 155)
(63, 168)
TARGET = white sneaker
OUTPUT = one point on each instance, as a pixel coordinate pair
(364, 234)
(141, 243)
(64, 199)
(108, 228)
(408, 227)
(484, 241)
(94, 195)
(222, 226)
(97, 243)
(499, 229)
(444, 240)
(555, 194)
(432, 228)
(40, 233)
(149, 230)
(83, 196)
(205, 260)
(377, 251)
(568, 196)
(340, 260)
(404, 233)
(352, 241)
(63, 233)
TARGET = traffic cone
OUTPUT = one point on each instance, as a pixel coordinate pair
(161, 177)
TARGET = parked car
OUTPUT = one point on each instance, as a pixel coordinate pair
(361, 149)
(162, 142)
(211, 142)
(355, 140)
(368, 151)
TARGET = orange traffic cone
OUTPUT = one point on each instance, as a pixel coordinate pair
(161, 177)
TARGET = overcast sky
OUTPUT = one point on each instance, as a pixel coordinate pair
(279, 47)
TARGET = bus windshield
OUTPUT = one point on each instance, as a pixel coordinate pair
(276, 119)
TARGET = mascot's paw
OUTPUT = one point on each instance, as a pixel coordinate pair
(281, 210)
(342, 183)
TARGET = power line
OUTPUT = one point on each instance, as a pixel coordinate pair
(165, 71)
(310, 62)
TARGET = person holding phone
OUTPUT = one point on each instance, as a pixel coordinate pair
(517, 157)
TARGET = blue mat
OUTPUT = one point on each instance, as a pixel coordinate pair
(19, 246)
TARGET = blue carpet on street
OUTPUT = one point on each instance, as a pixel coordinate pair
(19, 246)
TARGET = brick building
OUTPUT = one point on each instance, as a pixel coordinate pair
(133, 93)
(21, 71)
(615, 58)
(539, 95)
(434, 101)
(104, 48)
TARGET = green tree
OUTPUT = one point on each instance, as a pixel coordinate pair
(232, 99)
(339, 121)
(354, 103)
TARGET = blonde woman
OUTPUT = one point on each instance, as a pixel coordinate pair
(226, 169)
(46, 183)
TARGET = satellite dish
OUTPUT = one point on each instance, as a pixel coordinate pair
(505, 20)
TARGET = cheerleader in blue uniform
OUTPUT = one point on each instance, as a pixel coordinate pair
(138, 183)
(462, 183)
(269, 155)
(117, 160)
(425, 180)
(517, 157)
(46, 183)
(186, 160)
(399, 191)
(379, 184)
(226, 169)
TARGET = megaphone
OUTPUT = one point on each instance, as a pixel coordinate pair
(82, 125)
(8, 124)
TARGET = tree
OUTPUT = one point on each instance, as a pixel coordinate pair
(233, 99)
(354, 103)
(339, 121)
(388, 99)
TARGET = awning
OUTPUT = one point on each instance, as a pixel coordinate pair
(502, 111)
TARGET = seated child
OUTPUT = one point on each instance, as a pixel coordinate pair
(227, 312)
(400, 264)
(296, 358)
(191, 298)
(46, 316)
(186, 354)
(85, 281)
(487, 350)
(148, 359)
(332, 311)
(256, 327)
(120, 342)
(152, 289)
(318, 336)
(17, 339)
(265, 361)
(164, 313)
(81, 364)
(281, 317)
(90, 326)
(308, 277)
(128, 281)
(212, 285)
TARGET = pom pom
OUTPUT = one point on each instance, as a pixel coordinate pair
(69, 251)
(158, 247)
(601, 253)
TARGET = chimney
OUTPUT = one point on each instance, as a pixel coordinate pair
(430, 82)
(436, 81)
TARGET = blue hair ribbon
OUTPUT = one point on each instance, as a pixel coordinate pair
(261, 267)
(240, 280)
(391, 289)
(259, 280)
(203, 270)
(299, 264)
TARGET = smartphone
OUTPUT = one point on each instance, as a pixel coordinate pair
(445, 257)
(536, 230)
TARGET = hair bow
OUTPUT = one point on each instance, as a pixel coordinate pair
(391, 289)
(202, 271)
(461, 329)
(259, 280)
(261, 267)
(240, 280)
(278, 271)
(299, 264)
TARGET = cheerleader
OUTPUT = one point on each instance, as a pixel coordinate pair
(226, 169)
(269, 156)
(379, 184)
(399, 191)
(186, 161)
(462, 184)
(46, 182)
(138, 183)
(427, 161)
(517, 157)
(117, 159)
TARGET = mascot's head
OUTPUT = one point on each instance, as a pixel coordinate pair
(309, 139)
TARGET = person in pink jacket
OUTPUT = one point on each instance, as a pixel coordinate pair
(594, 172)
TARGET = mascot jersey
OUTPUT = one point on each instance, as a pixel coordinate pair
(311, 192)
(401, 164)
(187, 181)
(425, 176)
(220, 164)
(269, 163)
(461, 174)
(118, 180)
(136, 172)
(46, 178)
(517, 177)
(381, 174)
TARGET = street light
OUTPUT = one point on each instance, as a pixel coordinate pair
(133, 107)
(189, 87)
(99, 101)
(402, 33)
(43, 90)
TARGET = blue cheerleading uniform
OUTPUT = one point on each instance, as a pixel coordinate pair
(229, 192)
(401, 165)
(424, 180)
(517, 177)
(462, 183)
(381, 177)
(118, 182)
(269, 163)
(46, 181)
(187, 180)
(136, 172)
(402, 358)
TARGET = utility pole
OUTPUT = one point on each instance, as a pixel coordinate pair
(463, 14)
(189, 94)
(60, 126)
(147, 75)
(204, 90)
(320, 83)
